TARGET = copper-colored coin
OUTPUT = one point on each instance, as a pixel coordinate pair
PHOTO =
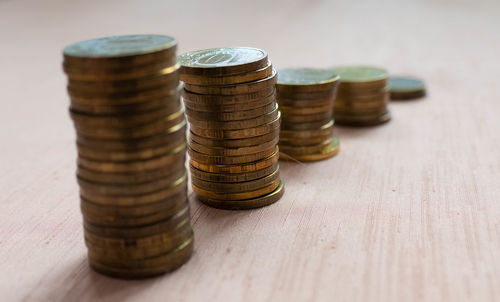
(134, 166)
(222, 61)
(311, 118)
(363, 121)
(124, 243)
(305, 126)
(238, 124)
(323, 130)
(363, 94)
(330, 151)
(107, 212)
(235, 169)
(305, 150)
(361, 112)
(175, 188)
(131, 155)
(231, 116)
(222, 151)
(252, 203)
(251, 76)
(257, 103)
(148, 267)
(126, 145)
(239, 133)
(219, 100)
(306, 103)
(231, 160)
(236, 187)
(237, 196)
(306, 80)
(243, 88)
(120, 51)
(175, 239)
(230, 178)
(139, 231)
(129, 189)
(129, 98)
(155, 127)
(235, 143)
(361, 76)
(313, 140)
(306, 96)
(286, 110)
(355, 106)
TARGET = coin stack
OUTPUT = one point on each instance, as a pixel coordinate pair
(306, 97)
(130, 125)
(234, 122)
(362, 97)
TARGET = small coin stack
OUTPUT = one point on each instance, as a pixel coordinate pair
(234, 122)
(406, 88)
(130, 125)
(362, 97)
(306, 97)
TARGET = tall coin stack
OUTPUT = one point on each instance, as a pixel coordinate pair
(306, 97)
(234, 124)
(363, 96)
(130, 125)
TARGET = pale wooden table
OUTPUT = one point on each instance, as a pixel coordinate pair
(408, 211)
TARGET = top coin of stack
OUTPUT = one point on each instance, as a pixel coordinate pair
(362, 97)
(306, 97)
(234, 127)
(130, 125)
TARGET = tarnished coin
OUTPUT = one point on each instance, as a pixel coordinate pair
(299, 142)
(231, 116)
(305, 150)
(243, 88)
(208, 100)
(224, 151)
(236, 169)
(235, 143)
(251, 76)
(231, 160)
(215, 107)
(317, 109)
(310, 118)
(361, 76)
(306, 80)
(222, 61)
(363, 120)
(237, 196)
(321, 131)
(331, 150)
(119, 51)
(406, 88)
(237, 187)
(252, 203)
(229, 178)
(305, 126)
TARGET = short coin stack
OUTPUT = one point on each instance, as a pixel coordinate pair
(234, 123)
(362, 97)
(130, 125)
(306, 97)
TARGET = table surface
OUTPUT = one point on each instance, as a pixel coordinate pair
(408, 211)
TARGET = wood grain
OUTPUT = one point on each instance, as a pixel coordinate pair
(408, 211)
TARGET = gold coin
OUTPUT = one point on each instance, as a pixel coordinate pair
(305, 150)
(222, 151)
(235, 169)
(362, 106)
(208, 100)
(330, 151)
(109, 212)
(229, 178)
(313, 140)
(252, 203)
(235, 143)
(161, 139)
(361, 76)
(306, 80)
(364, 121)
(112, 255)
(122, 99)
(286, 110)
(148, 267)
(236, 187)
(311, 118)
(155, 127)
(222, 61)
(231, 116)
(110, 52)
(306, 103)
(323, 130)
(305, 126)
(262, 119)
(230, 107)
(243, 88)
(231, 160)
(251, 76)
(361, 112)
(129, 189)
(239, 133)
(237, 196)
(363, 94)
(134, 166)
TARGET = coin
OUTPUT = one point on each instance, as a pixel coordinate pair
(236, 187)
(228, 178)
(363, 121)
(231, 160)
(260, 120)
(231, 116)
(306, 80)
(252, 203)
(219, 100)
(307, 149)
(361, 76)
(305, 126)
(243, 88)
(235, 143)
(237, 196)
(406, 88)
(254, 75)
(290, 110)
(331, 150)
(224, 151)
(311, 118)
(221, 61)
(127, 98)
(230, 107)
